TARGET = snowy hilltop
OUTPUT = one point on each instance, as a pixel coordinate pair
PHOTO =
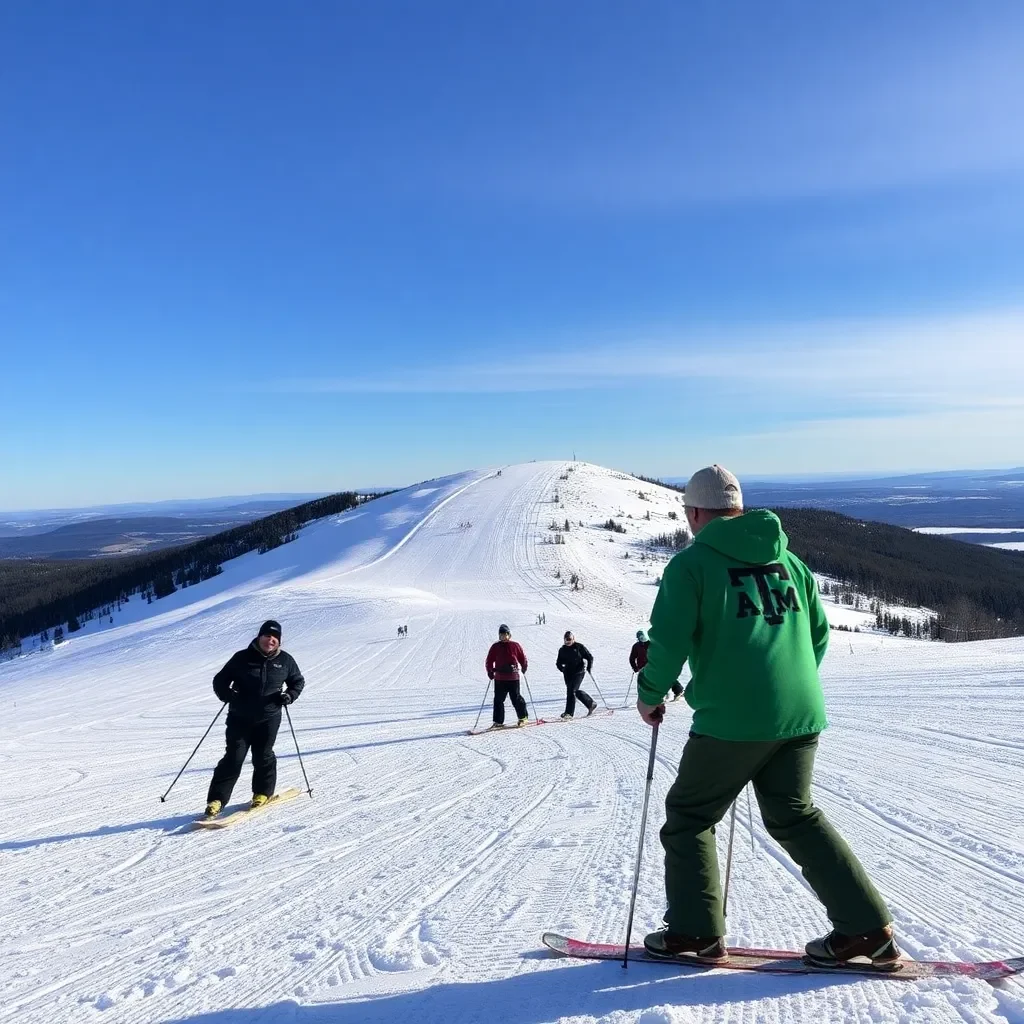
(417, 881)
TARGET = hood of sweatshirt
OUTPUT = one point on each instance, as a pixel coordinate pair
(756, 537)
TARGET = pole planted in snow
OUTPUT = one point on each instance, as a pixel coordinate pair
(309, 789)
(750, 820)
(625, 700)
(487, 690)
(640, 848)
(530, 692)
(599, 693)
(728, 860)
(163, 799)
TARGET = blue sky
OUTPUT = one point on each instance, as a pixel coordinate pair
(248, 247)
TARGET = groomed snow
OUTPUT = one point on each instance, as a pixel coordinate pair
(415, 885)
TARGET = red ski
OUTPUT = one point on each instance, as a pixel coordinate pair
(787, 961)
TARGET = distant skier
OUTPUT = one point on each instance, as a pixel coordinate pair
(251, 685)
(574, 661)
(504, 660)
(746, 613)
(638, 658)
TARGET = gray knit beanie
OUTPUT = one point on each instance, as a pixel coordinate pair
(713, 487)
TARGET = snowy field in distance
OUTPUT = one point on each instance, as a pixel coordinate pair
(980, 535)
(980, 530)
(416, 883)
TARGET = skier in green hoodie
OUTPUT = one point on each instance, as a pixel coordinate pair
(746, 613)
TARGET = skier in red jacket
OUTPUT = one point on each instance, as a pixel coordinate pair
(504, 660)
(638, 658)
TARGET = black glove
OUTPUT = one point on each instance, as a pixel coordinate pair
(281, 699)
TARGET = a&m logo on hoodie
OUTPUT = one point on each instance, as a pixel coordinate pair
(774, 603)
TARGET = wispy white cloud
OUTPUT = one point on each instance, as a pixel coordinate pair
(969, 361)
(961, 438)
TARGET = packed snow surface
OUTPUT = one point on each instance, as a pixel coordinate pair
(415, 884)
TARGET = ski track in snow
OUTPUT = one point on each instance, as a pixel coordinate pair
(417, 881)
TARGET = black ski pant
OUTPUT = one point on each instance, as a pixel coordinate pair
(510, 690)
(677, 688)
(240, 736)
(572, 691)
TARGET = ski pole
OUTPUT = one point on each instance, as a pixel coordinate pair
(750, 820)
(309, 789)
(599, 693)
(640, 848)
(163, 799)
(532, 701)
(625, 700)
(487, 690)
(728, 860)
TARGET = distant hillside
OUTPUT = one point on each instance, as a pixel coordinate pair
(37, 596)
(110, 537)
(954, 499)
(969, 499)
(978, 592)
(104, 532)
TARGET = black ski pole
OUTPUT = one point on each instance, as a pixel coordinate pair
(625, 700)
(536, 718)
(750, 820)
(163, 799)
(309, 789)
(487, 690)
(599, 693)
(728, 860)
(640, 849)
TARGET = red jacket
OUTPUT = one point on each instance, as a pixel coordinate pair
(504, 660)
(638, 655)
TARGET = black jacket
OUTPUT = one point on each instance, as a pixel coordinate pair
(250, 679)
(573, 659)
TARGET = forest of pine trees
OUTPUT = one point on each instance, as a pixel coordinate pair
(38, 596)
(976, 592)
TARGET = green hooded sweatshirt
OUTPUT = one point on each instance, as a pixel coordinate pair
(746, 613)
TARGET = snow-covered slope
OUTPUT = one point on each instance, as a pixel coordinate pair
(416, 883)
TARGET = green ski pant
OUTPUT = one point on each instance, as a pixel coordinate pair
(712, 774)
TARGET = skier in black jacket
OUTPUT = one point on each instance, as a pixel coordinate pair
(251, 685)
(574, 661)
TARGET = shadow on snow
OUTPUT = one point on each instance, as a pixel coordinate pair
(591, 989)
(165, 825)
